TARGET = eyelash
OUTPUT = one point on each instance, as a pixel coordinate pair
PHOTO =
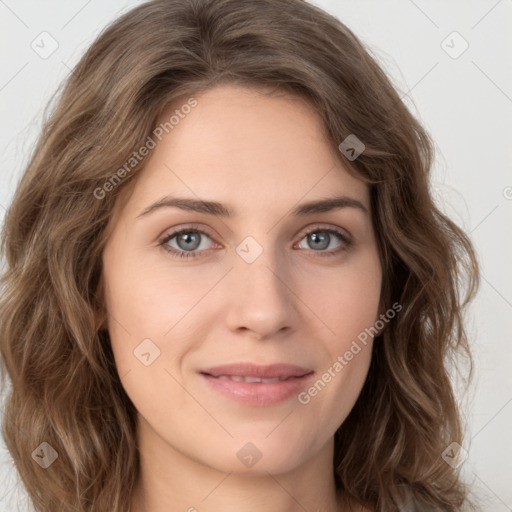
(194, 229)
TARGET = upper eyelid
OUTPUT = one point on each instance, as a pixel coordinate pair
(303, 232)
(170, 234)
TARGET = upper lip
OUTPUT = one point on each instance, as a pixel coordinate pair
(281, 370)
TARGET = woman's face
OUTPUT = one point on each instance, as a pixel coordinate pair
(278, 289)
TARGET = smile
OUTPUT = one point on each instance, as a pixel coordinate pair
(257, 385)
(239, 378)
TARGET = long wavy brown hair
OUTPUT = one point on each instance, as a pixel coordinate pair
(64, 387)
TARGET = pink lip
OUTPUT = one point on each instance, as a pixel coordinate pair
(257, 393)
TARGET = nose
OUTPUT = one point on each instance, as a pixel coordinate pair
(261, 299)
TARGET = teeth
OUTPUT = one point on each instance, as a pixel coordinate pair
(256, 379)
(237, 378)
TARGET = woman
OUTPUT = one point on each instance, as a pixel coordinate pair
(227, 285)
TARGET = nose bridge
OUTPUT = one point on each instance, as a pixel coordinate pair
(260, 298)
(260, 267)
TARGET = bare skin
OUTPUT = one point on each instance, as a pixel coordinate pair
(262, 156)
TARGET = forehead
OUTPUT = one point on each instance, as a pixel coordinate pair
(247, 148)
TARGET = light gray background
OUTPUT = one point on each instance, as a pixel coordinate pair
(464, 102)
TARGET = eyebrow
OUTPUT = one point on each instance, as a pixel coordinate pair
(219, 209)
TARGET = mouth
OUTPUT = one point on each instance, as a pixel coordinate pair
(255, 384)
(239, 378)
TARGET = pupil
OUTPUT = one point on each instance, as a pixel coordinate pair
(191, 241)
(322, 239)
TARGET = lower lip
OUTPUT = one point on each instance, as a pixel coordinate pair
(258, 393)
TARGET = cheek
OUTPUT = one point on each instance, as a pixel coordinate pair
(146, 295)
(151, 301)
(148, 302)
(348, 302)
(350, 309)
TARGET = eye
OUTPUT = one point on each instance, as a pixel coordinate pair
(321, 238)
(187, 240)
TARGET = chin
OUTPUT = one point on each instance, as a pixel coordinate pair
(258, 456)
